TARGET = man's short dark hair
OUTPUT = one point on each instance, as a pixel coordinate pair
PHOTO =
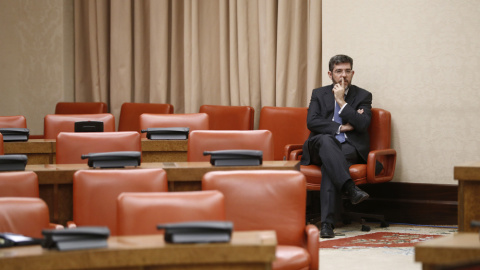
(339, 59)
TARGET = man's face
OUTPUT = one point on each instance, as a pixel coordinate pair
(342, 70)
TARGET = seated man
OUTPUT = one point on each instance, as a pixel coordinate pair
(338, 118)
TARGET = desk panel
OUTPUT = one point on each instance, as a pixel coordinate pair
(468, 177)
(246, 250)
(42, 151)
(456, 249)
(55, 180)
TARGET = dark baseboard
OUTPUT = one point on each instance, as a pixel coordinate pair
(409, 203)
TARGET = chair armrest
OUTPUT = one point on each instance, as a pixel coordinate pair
(388, 158)
(293, 151)
(54, 226)
(312, 244)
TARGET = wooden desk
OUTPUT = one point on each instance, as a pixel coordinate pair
(42, 151)
(246, 250)
(468, 177)
(456, 249)
(55, 180)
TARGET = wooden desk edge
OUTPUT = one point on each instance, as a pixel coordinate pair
(469, 171)
(125, 251)
(439, 251)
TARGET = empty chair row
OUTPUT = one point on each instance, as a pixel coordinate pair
(70, 146)
(221, 117)
(134, 201)
(287, 124)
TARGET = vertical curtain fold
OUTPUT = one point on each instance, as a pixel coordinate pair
(189, 53)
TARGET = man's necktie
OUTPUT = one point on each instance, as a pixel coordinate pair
(336, 117)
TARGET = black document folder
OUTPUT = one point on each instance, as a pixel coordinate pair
(235, 157)
(118, 159)
(169, 133)
(15, 134)
(13, 239)
(88, 126)
(197, 232)
(76, 238)
(13, 162)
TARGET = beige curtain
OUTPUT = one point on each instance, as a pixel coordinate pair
(193, 52)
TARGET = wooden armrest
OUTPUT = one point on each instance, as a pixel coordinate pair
(388, 158)
(312, 245)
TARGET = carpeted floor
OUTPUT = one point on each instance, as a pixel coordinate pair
(381, 248)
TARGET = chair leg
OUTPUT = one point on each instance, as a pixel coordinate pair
(349, 216)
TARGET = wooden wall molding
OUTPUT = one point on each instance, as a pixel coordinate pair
(413, 203)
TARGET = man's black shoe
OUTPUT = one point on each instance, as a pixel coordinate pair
(326, 231)
(356, 195)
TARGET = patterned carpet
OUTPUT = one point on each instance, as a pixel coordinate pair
(381, 248)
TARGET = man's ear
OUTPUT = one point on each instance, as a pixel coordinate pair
(330, 75)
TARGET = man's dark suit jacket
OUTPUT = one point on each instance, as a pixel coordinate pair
(320, 115)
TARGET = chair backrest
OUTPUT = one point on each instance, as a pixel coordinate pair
(130, 114)
(81, 108)
(140, 213)
(194, 121)
(380, 129)
(287, 124)
(26, 216)
(16, 121)
(71, 146)
(213, 140)
(95, 193)
(223, 117)
(263, 200)
(19, 184)
(1, 144)
(56, 123)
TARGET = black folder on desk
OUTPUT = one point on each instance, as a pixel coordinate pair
(88, 126)
(235, 157)
(197, 232)
(13, 239)
(117, 159)
(13, 162)
(15, 134)
(168, 133)
(76, 238)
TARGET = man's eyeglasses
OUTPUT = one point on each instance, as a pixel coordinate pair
(340, 71)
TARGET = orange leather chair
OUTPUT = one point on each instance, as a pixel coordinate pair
(81, 108)
(130, 114)
(140, 213)
(194, 121)
(16, 121)
(380, 140)
(229, 117)
(270, 200)
(213, 140)
(1, 144)
(26, 216)
(95, 193)
(56, 123)
(19, 184)
(288, 126)
(72, 145)
(380, 143)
